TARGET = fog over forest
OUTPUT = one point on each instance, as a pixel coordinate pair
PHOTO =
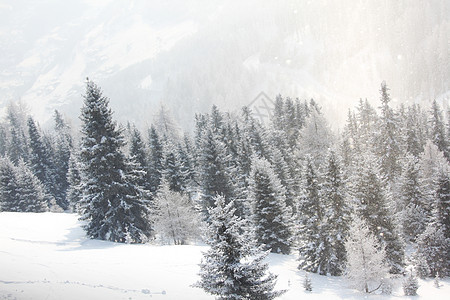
(191, 54)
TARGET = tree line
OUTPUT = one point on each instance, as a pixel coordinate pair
(293, 184)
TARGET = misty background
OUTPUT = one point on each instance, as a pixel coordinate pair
(191, 54)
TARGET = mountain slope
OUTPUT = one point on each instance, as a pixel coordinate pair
(190, 54)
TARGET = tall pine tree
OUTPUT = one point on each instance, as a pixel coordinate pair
(271, 218)
(234, 268)
(113, 204)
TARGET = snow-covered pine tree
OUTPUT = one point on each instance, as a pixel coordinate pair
(270, 216)
(371, 198)
(155, 167)
(41, 159)
(437, 126)
(285, 164)
(366, 121)
(113, 203)
(388, 138)
(315, 138)
(31, 196)
(366, 266)
(176, 220)
(74, 192)
(307, 285)
(336, 214)
(254, 134)
(433, 252)
(63, 148)
(3, 140)
(8, 186)
(214, 174)
(442, 204)
(233, 268)
(410, 285)
(166, 125)
(171, 167)
(312, 236)
(185, 156)
(17, 147)
(138, 155)
(415, 136)
(413, 214)
(433, 245)
(431, 162)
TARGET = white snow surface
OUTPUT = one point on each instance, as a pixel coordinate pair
(47, 256)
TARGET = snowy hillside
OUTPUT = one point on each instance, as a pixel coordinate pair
(46, 256)
(190, 54)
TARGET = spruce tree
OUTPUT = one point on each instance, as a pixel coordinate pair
(371, 199)
(138, 155)
(155, 167)
(433, 252)
(31, 196)
(214, 173)
(271, 218)
(233, 267)
(113, 204)
(388, 141)
(412, 198)
(8, 186)
(410, 285)
(63, 148)
(18, 147)
(74, 192)
(336, 214)
(313, 239)
(442, 202)
(41, 159)
(437, 125)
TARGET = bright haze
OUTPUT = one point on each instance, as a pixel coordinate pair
(191, 54)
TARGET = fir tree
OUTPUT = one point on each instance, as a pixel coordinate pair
(166, 125)
(388, 138)
(8, 186)
(433, 252)
(315, 138)
(214, 174)
(271, 217)
(172, 169)
(74, 192)
(413, 214)
(138, 155)
(113, 204)
(437, 125)
(442, 202)
(410, 285)
(155, 167)
(63, 148)
(313, 241)
(371, 201)
(233, 267)
(307, 283)
(31, 196)
(41, 160)
(187, 167)
(17, 148)
(336, 215)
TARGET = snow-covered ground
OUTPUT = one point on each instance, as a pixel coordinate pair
(47, 256)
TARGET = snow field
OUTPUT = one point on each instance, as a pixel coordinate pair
(47, 256)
